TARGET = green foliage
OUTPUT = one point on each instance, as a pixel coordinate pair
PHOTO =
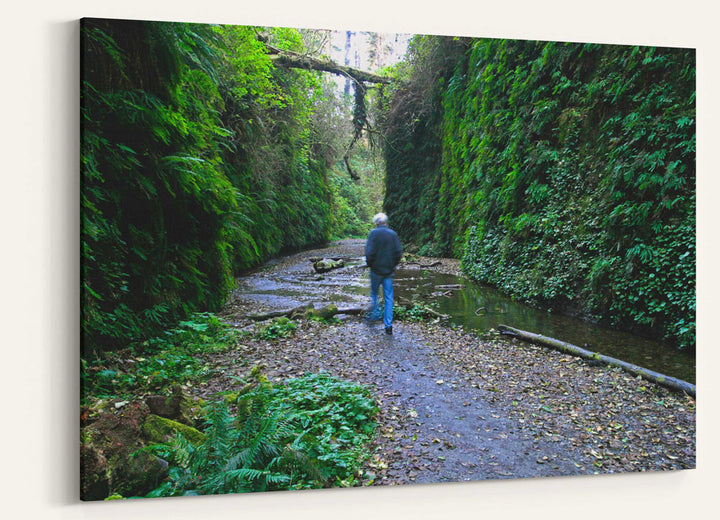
(355, 202)
(336, 418)
(413, 151)
(306, 433)
(330, 320)
(564, 174)
(232, 460)
(156, 206)
(196, 162)
(277, 328)
(286, 201)
(412, 312)
(157, 364)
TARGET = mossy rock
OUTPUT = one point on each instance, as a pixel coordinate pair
(94, 473)
(193, 409)
(112, 460)
(177, 407)
(165, 406)
(159, 429)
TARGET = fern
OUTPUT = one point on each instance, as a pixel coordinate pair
(306, 433)
(557, 169)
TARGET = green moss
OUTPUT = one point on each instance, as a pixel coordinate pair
(230, 398)
(562, 174)
(324, 313)
(192, 410)
(157, 429)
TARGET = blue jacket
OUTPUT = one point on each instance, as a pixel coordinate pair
(383, 250)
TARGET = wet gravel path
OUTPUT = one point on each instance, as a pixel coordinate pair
(458, 435)
(456, 406)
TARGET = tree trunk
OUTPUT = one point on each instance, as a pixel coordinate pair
(308, 311)
(655, 377)
(325, 265)
(348, 46)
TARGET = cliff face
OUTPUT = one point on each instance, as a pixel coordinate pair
(563, 174)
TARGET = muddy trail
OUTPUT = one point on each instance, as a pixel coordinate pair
(456, 405)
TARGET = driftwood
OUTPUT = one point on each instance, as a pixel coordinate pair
(451, 287)
(327, 264)
(308, 311)
(655, 377)
(423, 266)
(314, 259)
(277, 314)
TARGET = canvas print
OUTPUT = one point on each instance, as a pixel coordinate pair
(317, 258)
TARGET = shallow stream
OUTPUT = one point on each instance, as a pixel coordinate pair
(474, 307)
(482, 308)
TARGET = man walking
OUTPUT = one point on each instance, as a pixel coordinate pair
(382, 254)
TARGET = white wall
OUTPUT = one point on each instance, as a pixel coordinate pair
(39, 210)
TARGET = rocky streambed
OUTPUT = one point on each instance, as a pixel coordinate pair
(457, 405)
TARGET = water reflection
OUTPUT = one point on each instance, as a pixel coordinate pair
(482, 308)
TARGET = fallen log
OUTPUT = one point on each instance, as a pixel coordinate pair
(308, 311)
(314, 259)
(326, 264)
(290, 59)
(451, 287)
(423, 266)
(355, 311)
(278, 314)
(568, 348)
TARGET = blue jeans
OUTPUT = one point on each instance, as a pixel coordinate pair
(387, 285)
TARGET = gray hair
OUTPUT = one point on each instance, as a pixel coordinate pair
(380, 219)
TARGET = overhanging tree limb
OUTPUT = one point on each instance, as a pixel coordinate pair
(359, 77)
(301, 61)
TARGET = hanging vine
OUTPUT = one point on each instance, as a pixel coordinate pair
(359, 78)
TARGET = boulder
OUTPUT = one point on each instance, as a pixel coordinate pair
(111, 457)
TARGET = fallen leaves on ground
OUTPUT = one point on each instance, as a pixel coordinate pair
(541, 412)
